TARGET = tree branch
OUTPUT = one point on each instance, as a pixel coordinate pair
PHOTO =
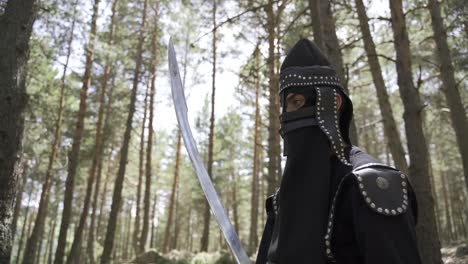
(230, 20)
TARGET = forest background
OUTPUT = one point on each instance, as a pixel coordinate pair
(103, 175)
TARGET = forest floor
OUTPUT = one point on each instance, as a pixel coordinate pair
(455, 254)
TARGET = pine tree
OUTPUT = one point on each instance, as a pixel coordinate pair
(426, 229)
(117, 195)
(16, 25)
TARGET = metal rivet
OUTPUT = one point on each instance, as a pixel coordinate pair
(372, 205)
(382, 183)
(368, 200)
(402, 176)
(399, 210)
(393, 212)
(379, 210)
(386, 211)
(404, 207)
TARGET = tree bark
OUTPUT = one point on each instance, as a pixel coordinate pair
(141, 171)
(253, 237)
(110, 164)
(332, 48)
(32, 242)
(207, 215)
(428, 239)
(92, 232)
(175, 237)
(76, 245)
(167, 234)
(389, 124)
(235, 202)
(18, 199)
(149, 145)
(314, 6)
(52, 237)
(75, 151)
(153, 226)
(448, 217)
(117, 195)
(16, 25)
(50, 240)
(274, 148)
(24, 232)
(450, 87)
(100, 145)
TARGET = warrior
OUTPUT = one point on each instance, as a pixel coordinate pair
(335, 204)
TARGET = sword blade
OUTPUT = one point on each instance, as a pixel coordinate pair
(214, 201)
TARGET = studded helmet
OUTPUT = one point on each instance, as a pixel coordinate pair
(307, 71)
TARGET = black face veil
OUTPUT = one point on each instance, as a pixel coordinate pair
(316, 142)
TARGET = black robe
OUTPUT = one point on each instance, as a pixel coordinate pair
(360, 234)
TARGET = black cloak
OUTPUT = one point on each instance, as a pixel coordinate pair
(330, 211)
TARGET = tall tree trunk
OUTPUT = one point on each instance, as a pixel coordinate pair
(149, 146)
(141, 171)
(24, 232)
(235, 203)
(75, 150)
(332, 48)
(16, 25)
(389, 124)
(428, 238)
(18, 199)
(172, 201)
(51, 237)
(75, 251)
(207, 215)
(153, 222)
(128, 228)
(99, 145)
(30, 223)
(448, 217)
(175, 237)
(274, 148)
(117, 195)
(450, 87)
(253, 237)
(110, 164)
(314, 6)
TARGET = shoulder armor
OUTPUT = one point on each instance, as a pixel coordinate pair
(384, 189)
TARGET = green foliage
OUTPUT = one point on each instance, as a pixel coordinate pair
(188, 23)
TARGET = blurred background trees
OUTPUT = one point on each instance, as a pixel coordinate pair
(103, 174)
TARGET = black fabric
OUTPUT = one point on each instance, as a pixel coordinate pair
(366, 237)
(361, 236)
(300, 226)
(303, 112)
(305, 58)
(297, 124)
(303, 53)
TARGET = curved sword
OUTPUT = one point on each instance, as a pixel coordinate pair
(217, 208)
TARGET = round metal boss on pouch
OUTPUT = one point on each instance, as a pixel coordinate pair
(382, 183)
